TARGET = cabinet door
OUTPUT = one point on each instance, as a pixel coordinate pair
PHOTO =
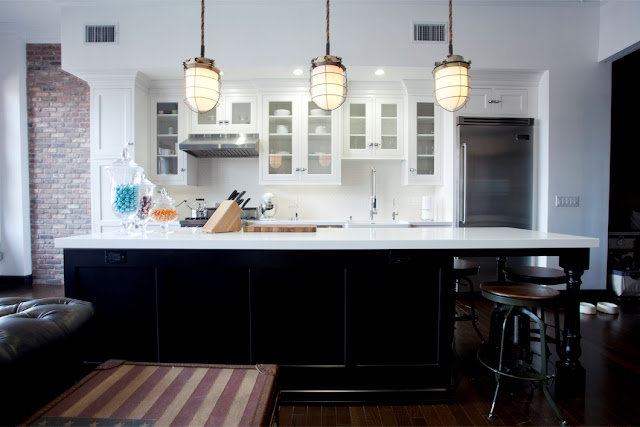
(478, 102)
(358, 128)
(211, 121)
(281, 140)
(111, 122)
(424, 165)
(510, 102)
(169, 165)
(388, 141)
(319, 151)
(240, 114)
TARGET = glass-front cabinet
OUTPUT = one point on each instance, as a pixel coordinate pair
(423, 165)
(167, 164)
(299, 142)
(373, 128)
(233, 114)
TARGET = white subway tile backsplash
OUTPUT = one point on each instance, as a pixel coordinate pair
(217, 178)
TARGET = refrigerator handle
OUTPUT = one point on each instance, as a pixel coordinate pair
(463, 199)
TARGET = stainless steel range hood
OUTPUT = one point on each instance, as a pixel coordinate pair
(221, 145)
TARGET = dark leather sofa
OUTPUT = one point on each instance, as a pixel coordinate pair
(40, 351)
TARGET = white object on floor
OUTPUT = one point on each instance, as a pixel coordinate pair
(607, 307)
(587, 308)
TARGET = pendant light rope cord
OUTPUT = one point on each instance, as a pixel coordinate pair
(328, 43)
(450, 27)
(202, 31)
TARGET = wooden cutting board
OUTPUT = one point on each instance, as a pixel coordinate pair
(301, 228)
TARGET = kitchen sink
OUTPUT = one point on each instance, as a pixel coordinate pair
(377, 223)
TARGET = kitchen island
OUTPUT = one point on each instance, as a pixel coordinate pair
(350, 315)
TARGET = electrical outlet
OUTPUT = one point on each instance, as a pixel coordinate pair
(567, 201)
(414, 201)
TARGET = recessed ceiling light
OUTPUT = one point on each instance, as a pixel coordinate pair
(380, 72)
(298, 71)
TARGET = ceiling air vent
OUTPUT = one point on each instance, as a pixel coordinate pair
(425, 32)
(101, 34)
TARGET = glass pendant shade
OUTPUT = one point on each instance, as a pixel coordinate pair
(451, 82)
(328, 86)
(201, 84)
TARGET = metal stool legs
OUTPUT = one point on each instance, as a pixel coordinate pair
(473, 317)
(503, 370)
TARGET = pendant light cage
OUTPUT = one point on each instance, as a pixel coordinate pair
(328, 82)
(202, 81)
(328, 78)
(451, 77)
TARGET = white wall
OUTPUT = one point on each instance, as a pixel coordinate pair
(15, 234)
(562, 41)
(619, 29)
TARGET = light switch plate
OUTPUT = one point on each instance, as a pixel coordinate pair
(567, 201)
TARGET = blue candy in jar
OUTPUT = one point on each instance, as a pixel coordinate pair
(125, 200)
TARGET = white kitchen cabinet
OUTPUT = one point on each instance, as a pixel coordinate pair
(486, 101)
(299, 142)
(233, 114)
(424, 162)
(373, 128)
(112, 121)
(168, 165)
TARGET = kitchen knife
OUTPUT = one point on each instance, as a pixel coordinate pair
(245, 203)
(233, 195)
(239, 196)
(239, 202)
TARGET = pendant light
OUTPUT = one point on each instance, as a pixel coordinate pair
(328, 82)
(451, 77)
(201, 79)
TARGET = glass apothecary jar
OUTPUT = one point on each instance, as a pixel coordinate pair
(144, 206)
(125, 190)
(163, 210)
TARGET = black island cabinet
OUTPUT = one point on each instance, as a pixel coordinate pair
(343, 325)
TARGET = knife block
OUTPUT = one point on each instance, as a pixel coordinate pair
(226, 218)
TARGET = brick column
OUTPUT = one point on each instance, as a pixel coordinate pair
(59, 169)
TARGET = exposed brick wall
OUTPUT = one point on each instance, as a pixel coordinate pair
(59, 172)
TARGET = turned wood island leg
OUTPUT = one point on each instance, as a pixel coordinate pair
(571, 378)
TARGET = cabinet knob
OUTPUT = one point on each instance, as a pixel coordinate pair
(412, 169)
(494, 101)
(129, 143)
(183, 170)
(300, 169)
(370, 144)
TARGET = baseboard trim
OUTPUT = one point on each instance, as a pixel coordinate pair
(9, 282)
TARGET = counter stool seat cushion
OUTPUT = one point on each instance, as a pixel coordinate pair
(518, 291)
(538, 275)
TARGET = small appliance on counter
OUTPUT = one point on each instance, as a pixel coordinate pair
(267, 207)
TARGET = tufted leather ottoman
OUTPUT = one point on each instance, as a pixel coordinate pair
(40, 351)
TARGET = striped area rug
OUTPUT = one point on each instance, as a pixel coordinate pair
(120, 393)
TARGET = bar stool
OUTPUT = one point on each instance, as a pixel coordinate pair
(503, 356)
(462, 269)
(538, 276)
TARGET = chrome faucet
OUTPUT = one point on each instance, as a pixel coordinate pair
(373, 208)
(394, 212)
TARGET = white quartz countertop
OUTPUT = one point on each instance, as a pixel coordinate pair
(335, 239)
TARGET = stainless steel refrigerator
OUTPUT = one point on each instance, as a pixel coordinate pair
(496, 177)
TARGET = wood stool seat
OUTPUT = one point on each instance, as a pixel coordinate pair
(538, 275)
(520, 291)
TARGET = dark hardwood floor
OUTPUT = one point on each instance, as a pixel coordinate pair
(611, 357)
